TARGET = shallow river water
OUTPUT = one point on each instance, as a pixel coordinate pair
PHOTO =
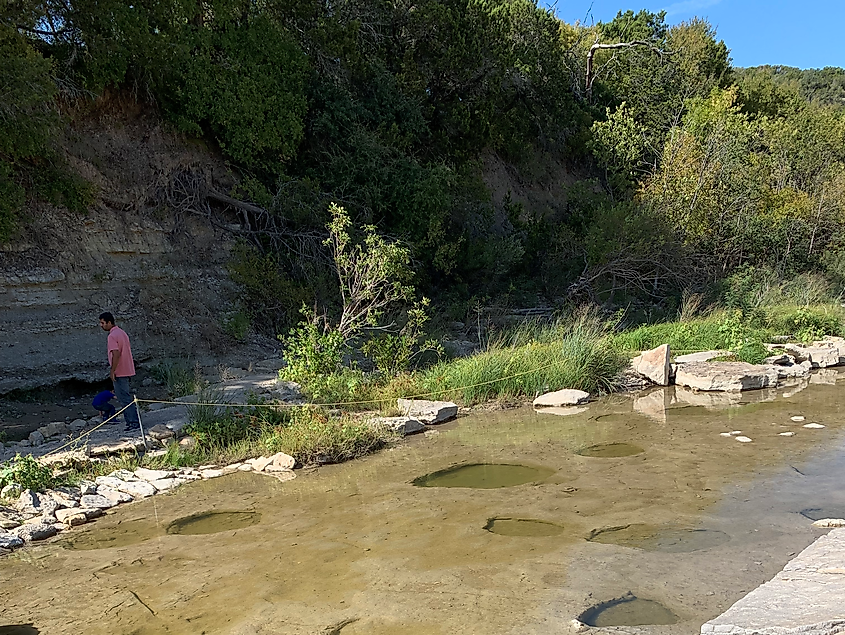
(669, 533)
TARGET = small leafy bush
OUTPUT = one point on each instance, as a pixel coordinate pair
(26, 472)
(743, 341)
(807, 323)
(311, 351)
(393, 353)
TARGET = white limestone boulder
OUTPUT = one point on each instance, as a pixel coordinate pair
(137, 489)
(90, 501)
(703, 356)
(789, 371)
(282, 460)
(821, 354)
(71, 517)
(654, 365)
(166, 484)
(28, 503)
(260, 463)
(113, 496)
(153, 475)
(807, 597)
(35, 531)
(561, 398)
(54, 429)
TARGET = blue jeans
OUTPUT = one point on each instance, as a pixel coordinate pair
(124, 396)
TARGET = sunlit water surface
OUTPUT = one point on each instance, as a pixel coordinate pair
(690, 522)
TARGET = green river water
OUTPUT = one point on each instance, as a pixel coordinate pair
(635, 497)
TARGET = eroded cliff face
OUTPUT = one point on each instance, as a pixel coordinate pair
(160, 272)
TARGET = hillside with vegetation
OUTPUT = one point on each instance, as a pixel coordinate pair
(372, 178)
(663, 170)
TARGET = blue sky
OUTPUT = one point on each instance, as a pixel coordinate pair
(808, 34)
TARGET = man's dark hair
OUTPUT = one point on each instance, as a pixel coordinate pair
(107, 317)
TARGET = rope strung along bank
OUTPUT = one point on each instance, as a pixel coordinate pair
(137, 401)
(352, 403)
(87, 432)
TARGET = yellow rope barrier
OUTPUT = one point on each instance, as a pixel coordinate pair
(87, 432)
(289, 405)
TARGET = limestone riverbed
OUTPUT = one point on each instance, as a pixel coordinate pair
(359, 548)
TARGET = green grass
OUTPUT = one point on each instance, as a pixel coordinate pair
(311, 437)
(682, 337)
(577, 352)
(576, 360)
(802, 323)
(741, 333)
(179, 377)
(27, 472)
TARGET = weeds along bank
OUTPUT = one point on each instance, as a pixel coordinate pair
(581, 350)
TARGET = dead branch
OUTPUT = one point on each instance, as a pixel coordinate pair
(187, 193)
(619, 45)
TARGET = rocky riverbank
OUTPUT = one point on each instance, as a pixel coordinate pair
(33, 516)
(705, 372)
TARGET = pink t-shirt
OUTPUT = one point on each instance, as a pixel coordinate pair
(119, 341)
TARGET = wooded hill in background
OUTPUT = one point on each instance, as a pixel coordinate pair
(681, 171)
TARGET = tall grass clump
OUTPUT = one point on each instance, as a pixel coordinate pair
(572, 353)
(312, 437)
(743, 332)
(725, 330)
(179, 377)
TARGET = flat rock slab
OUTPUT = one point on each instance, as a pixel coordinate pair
(725, 376)
(821, 354)
(560, 398)
(116, 447)
(153, 475)
(807, 597)
(788, 371)
(173, 418)
(399, 425)
(35, 531)
(428, 412)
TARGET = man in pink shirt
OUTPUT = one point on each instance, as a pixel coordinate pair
(122, 368)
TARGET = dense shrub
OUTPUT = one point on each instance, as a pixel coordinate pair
(27, 472)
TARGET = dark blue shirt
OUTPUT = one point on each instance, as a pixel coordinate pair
(102, 399)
